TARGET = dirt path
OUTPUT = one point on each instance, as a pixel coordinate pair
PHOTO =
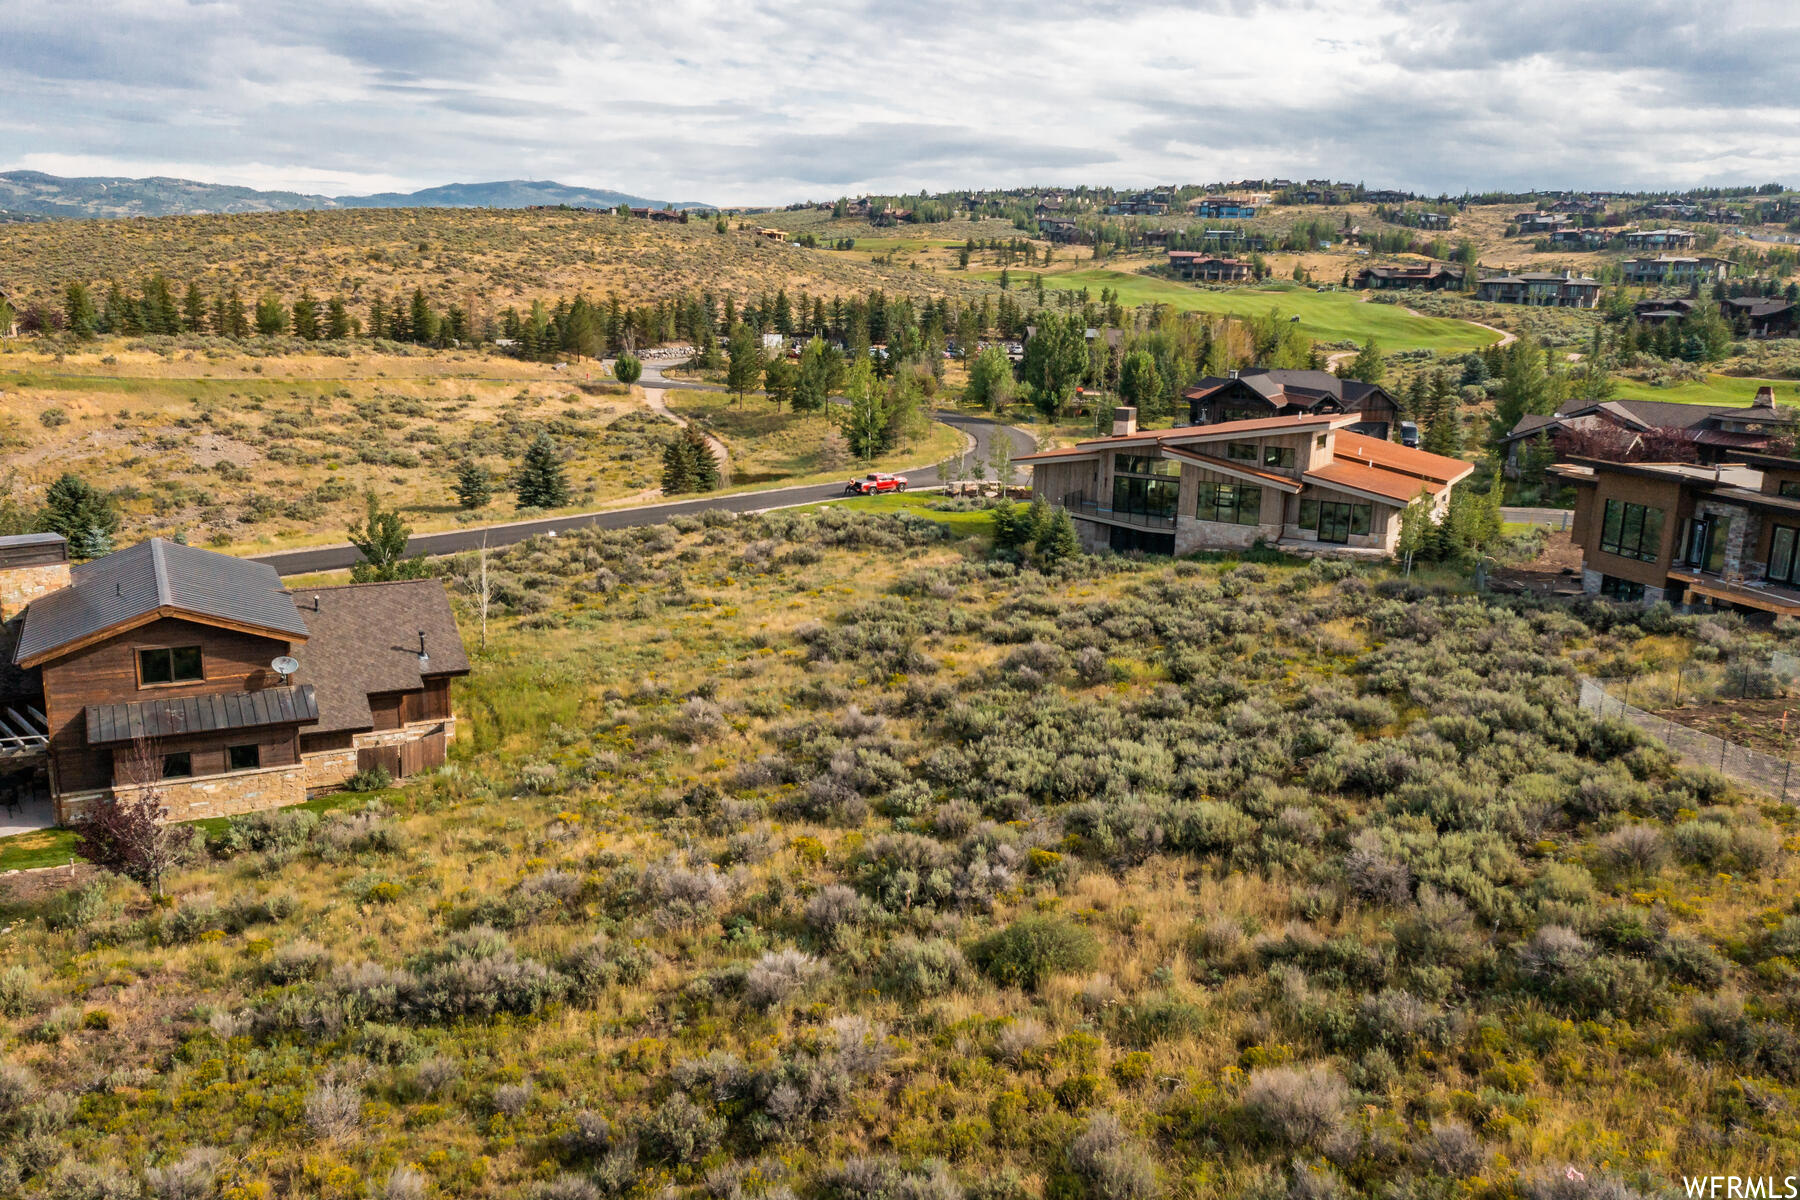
(654, 398)
(1506, 339)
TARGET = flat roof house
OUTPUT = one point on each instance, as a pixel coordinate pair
(1302, 480)
(1431, 277)
(166, 664)
(1675, 269)
(1543, 289)
(1257, 392)
(1725, 535)
(1660, 239)
(1198, 264)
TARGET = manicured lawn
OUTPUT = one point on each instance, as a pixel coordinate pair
(1715, 390)
(1324, 316)
(781, 449)
(978, 523)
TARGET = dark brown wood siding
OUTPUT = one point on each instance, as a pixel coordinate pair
(107, 673)
(1664, 494)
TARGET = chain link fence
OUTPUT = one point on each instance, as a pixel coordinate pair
(1767, 773)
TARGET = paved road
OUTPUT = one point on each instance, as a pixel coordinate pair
(340, 556)
(1555, 518)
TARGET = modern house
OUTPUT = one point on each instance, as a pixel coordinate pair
(1223, 208)
(1431, 219)
(1537, 222)
(1431, 277)
(1675, 269)
(1060, 229)
(1198, 264)
(1301, 480)
(1662, 311)
(1543, 289)
(1762, 316)
(1582, 239)
(1659, 239)
(1714, 433)
(1724, 535)
(199, 674)
(1258, 392)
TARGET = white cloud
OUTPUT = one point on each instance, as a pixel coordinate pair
(775, 100)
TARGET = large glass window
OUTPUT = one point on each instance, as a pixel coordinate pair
(1241, 451)
(169, 664)
(1614, 588)
(1278, 456)
(1309, 514)
(1338, 520)
(1632, 530)
(1151, 497)
(1233, 503)
(1144, 464)
(1782, 565)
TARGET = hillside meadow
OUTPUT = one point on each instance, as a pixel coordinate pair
(826, 854)
(253, 447)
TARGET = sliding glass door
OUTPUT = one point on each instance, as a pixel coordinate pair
(1337, 521)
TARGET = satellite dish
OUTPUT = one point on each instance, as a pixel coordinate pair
(285, 666)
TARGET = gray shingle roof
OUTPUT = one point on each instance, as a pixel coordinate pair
(157, 576)
(177, 715)
(365, 639)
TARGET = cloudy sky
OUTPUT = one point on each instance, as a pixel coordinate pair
(766, 101)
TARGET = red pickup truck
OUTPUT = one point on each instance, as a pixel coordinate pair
(872, 484)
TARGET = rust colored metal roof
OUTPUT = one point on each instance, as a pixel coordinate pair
(1374, 481)
(1356, 447)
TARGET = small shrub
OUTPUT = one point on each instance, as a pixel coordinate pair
(372, 780)
(1033, 948)
(333, 1110)
(512, 1099)
(1297, 1107)
(404, 1183)
(680, 1132)
(920, 970)
(1110, 1165)
(1451, 1149)
(779, 976)
(1635, 849)
(18, 992)
(189, 1177)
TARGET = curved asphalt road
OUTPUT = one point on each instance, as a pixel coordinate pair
(343, 555)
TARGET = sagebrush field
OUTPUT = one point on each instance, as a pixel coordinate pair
(828, 854)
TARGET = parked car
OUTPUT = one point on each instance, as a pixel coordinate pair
(875, 483)
(1409, 433)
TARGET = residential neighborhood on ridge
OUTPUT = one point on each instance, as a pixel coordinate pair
(740, 602)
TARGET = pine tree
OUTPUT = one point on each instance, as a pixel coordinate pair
(1057, 540)
(474, 484)
(678, 468)
(865, 422)
(193, 310)
(306, 317)
(627, 369)
(745, 360)
(541, 482)
(82, 513)
(337, 319)
(706, 465)
(1443, 433)
(78, 311)
(381, 536)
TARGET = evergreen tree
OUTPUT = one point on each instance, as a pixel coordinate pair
(237, 317)
(337, 319)
(627, 369)
(424, 322)
(1443, 433)
(193, 310)
(1057, 540)
(1525, 387)
(271, 315)
(865, 422)
(474, 484)
(744, 359)
(1056, 359)
(678, 468)
(78, 311)
(779, 378)
(819, 365)
(306, 317)
(540, 482)
(1369, 365)
(86, 516)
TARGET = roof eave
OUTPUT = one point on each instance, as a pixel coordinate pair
(156, 614)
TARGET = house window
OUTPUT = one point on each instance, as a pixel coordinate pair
(1789, 488)
(179, 765)
(244, 758)
(1783, 564)
(1632, 531)
(1232, 503)
(1278, 456)
(169, 664)
(1241, 451)
(1309, 514)
(1144, 464)
(1614, 588)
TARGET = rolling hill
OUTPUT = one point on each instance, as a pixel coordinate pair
(35, 193)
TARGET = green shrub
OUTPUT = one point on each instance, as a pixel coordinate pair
(1034, 948)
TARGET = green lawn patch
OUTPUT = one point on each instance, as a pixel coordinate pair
(1716, 390)
(39, 848)
(974, 523)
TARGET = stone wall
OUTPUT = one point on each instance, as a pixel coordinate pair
(1192, 535)
(209, 795)
(328, 768)
(19, 586)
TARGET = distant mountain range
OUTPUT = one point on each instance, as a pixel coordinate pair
(34, 194)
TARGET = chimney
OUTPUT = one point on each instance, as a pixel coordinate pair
(1765, 397)
(31, 565)
(1124, 420)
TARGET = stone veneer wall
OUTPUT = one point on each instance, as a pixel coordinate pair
(209, 795)
(19, 586)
